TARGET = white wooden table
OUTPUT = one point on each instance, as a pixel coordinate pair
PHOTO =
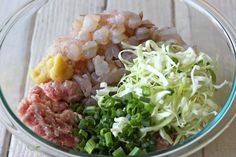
(225, 145)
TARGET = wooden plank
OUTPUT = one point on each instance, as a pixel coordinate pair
(224, 145)
(52, 21)
(19, 149)
(152, 9)
(4, 141)
(5, 11)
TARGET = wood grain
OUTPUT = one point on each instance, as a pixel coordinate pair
(19, 149)
(4, 141)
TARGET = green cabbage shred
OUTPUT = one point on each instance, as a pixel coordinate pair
(178, 81)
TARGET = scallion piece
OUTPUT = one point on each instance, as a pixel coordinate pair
(103, 131)
(83, 133)
(119, 152)
(120, 113)
(106, 102)
(90, 146)
(135, 151)
(90, 110)
(83, 124)
(136, 119)
(146, 91)
(108, 139)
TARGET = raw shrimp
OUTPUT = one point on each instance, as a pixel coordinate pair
(68, 46)
(90, 49)
(102, 35)
(90, 23)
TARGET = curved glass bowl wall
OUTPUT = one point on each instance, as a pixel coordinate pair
(196, 21)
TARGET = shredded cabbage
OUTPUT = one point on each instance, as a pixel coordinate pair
(181, 84)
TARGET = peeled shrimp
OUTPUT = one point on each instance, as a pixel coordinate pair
(134, 20)
(142, 33)
(101, 66)
(77, 25)
(73, 50)
(68, 46)
(102, 35)
(90, 49)
(84, 36)
(90, 23)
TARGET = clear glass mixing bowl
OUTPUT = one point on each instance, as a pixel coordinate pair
(25, 36)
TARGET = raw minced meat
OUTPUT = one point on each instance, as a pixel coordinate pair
(46, 111)
(67, 91)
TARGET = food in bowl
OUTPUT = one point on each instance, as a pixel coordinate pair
(118, 85)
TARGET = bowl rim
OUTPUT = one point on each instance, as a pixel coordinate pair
(201, 6)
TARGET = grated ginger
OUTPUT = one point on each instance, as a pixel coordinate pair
(52, 68)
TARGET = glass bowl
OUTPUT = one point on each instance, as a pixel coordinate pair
(25, 36)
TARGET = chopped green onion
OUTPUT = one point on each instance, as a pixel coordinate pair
(96, 115)
(108, 139)
(145, 99)
(81, 145)
(146, 91)
(136, 119)
(132, 108)
(90, 146)
(120, 113)
(90, 121)
(103, 131)
(90, 110)
(83, 134)
(135, 151)
(129, 146)
(83, 124)
(149, 107)
(127, 130)
(113, 113)
(146, 123)
(106, 102)
(119, 152)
